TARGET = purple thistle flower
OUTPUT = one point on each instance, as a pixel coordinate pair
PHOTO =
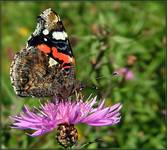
(52, 114)
(63, 115)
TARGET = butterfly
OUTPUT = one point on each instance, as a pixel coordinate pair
(46, 67)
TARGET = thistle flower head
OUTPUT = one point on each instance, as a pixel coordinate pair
(64, 114)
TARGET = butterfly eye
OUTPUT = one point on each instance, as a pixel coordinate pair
(81, 87)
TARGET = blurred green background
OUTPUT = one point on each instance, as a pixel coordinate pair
(127, 37)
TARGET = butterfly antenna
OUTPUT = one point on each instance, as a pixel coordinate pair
(93, 86)
(113, 75)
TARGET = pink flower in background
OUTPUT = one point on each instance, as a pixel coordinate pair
(52, 114)
(126, 73)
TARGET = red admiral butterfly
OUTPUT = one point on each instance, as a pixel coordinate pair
(46, 67)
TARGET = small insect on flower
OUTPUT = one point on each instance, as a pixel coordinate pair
(63, 114)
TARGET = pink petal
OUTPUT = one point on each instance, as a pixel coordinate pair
(96, 115)
(38, 133)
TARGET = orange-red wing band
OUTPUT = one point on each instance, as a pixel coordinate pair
(44, 48)
(62, 57)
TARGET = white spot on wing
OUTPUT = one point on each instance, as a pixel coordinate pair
(45, 39)
(45, 32)
(59, 35)
(52, 62)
